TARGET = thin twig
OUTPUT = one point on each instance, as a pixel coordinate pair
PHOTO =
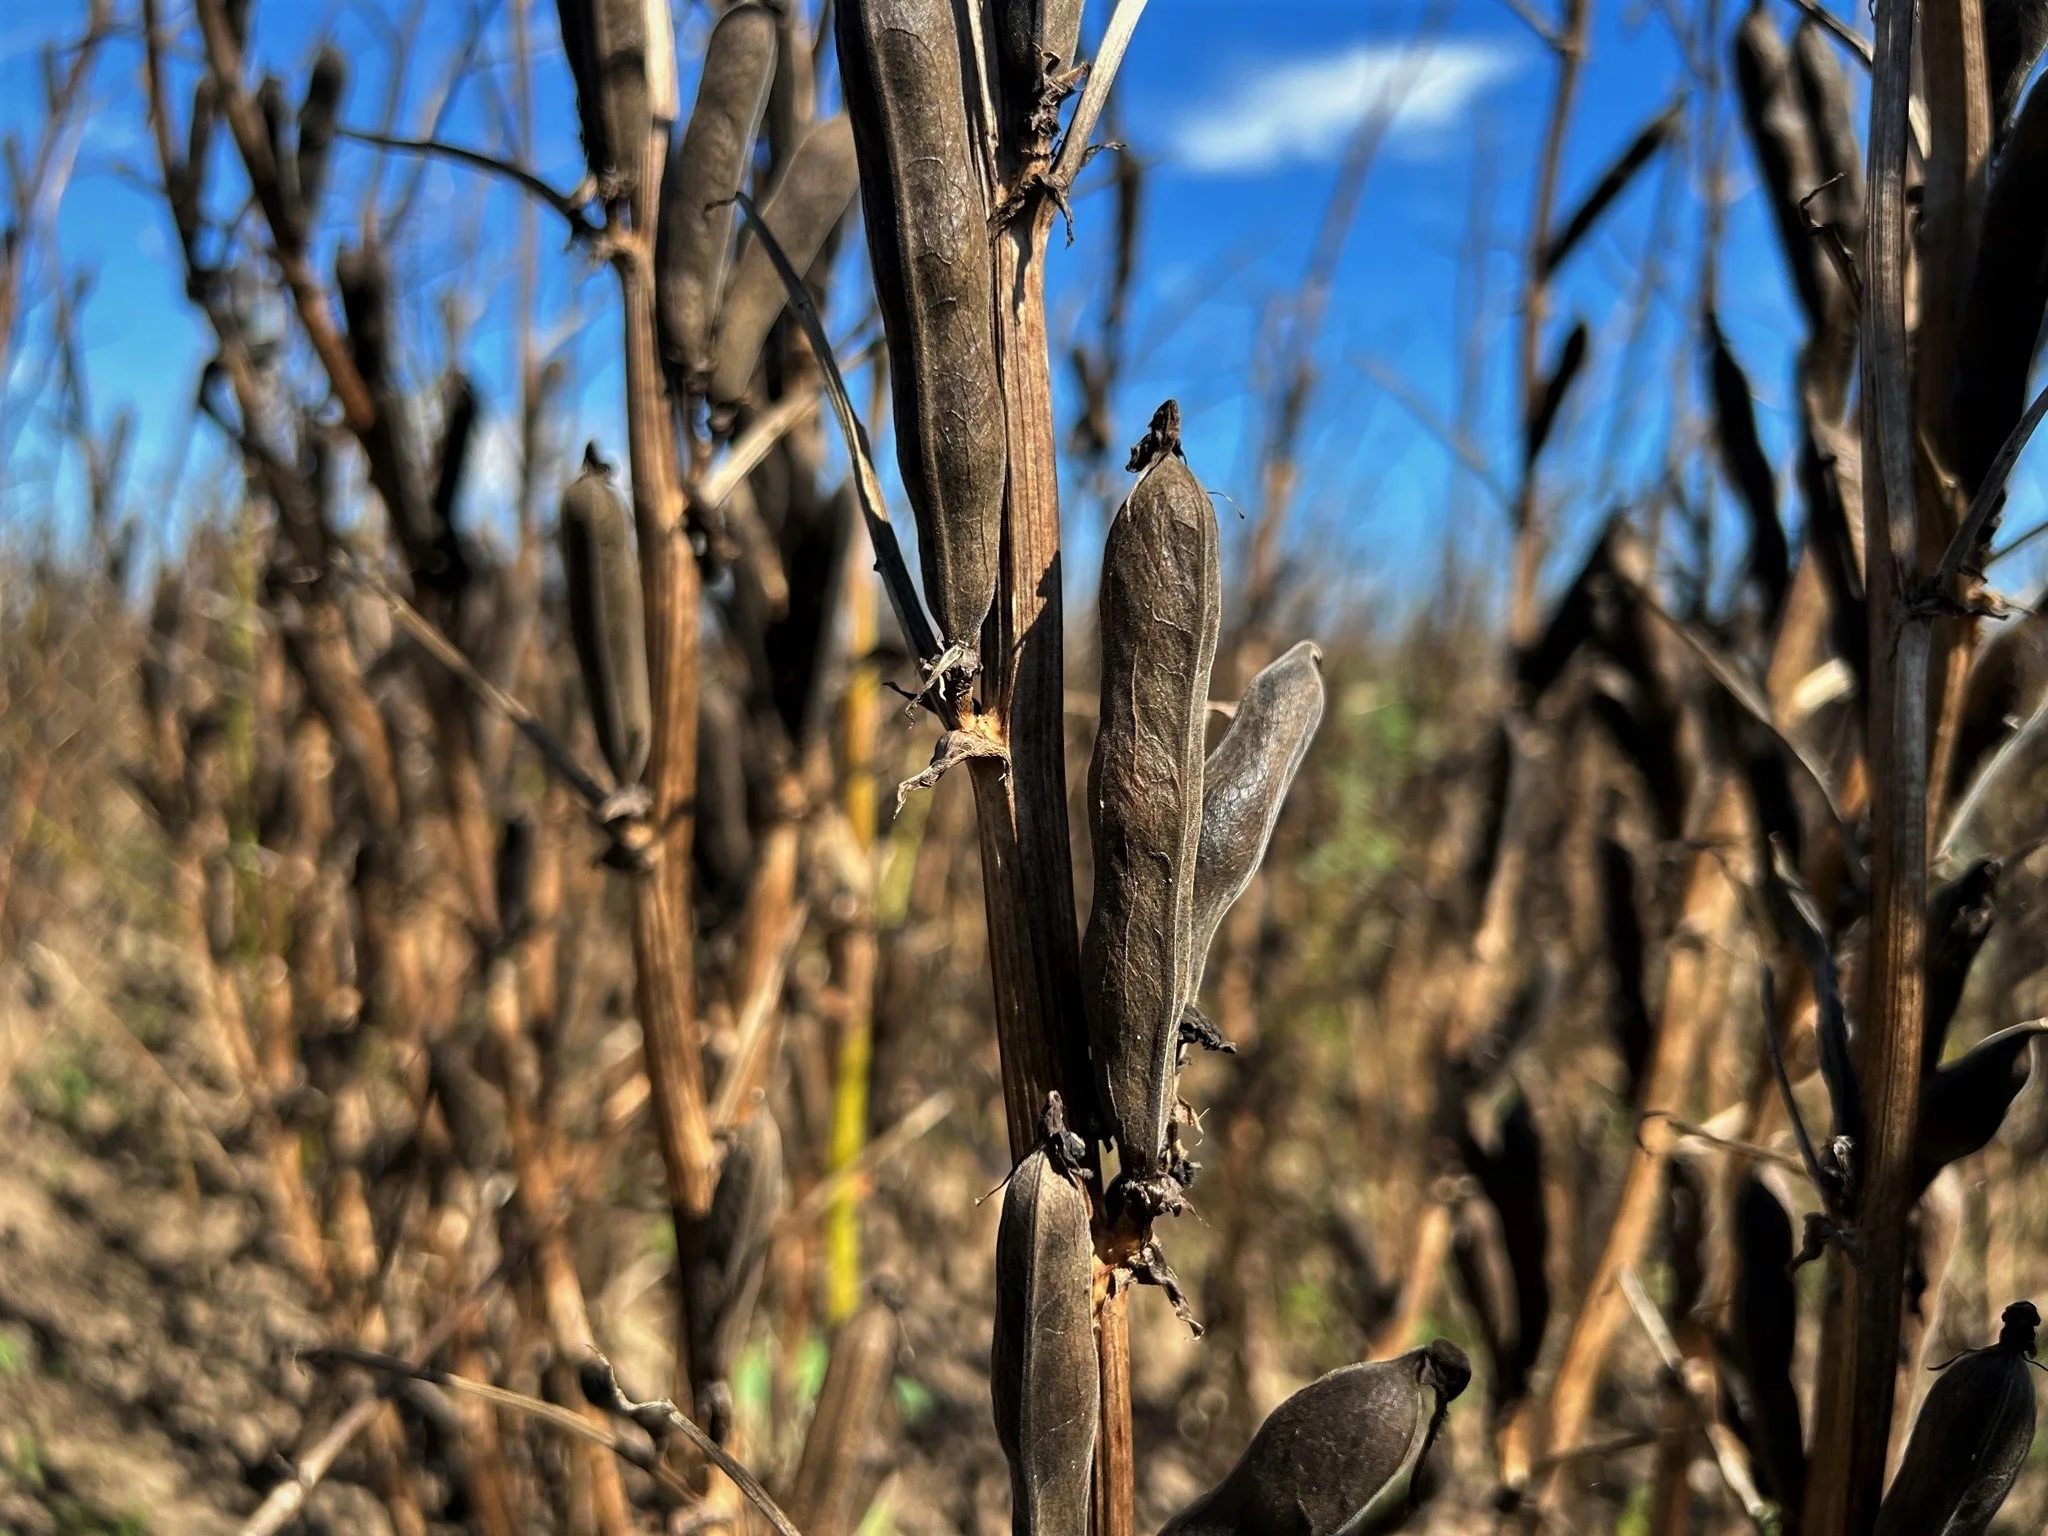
(476, 159)
(1989, 495)
(934, 1108)
(1858, 45)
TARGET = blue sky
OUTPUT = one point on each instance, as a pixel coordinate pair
(1240, 112)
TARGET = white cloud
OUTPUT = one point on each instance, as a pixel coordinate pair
(1306, 109)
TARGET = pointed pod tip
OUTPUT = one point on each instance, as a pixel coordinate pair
(1447, 1367)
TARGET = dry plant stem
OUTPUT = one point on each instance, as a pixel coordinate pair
(854, 956)
(1114, 1451)
(662, 932)
(1709, 905)
(30, 768)
(1854, 1414)
(1571, 50)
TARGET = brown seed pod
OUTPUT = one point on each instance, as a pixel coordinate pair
(1959, 917)
(722, 852)
(514, 878)
(458, 431)
(317, 114)
(364, 277)
(730, 1251)
(2015, 32)
(1778, 137)
(1970, 1440)
(2000, 317)
(1749, 471)
(1510, 1172)
(277, 117)
(2008, 679)
(199, 132)
(906, 90)
(1963, 1104)
(1038, 41)
(1571, 357)
(1624, 930)
(1340, 1456)
(1244, 784)
(603, 578)
(1766, 1316)
(606, 44)
(838, 1473)
(1042, 1364)
(1614, 181)
(1160, 604)
(695, 237)
(810, 199)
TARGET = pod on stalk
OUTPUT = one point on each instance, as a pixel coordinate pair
(604, 616)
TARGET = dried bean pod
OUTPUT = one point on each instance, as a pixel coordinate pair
(317, 114)
(199, 132)
(1244, 784)
(1749, 471)
(1614, 181)
(2008, 680)
(606, 43)
(1160, 604)
(906, 90)
(722, 852)
(1624, 930)
(458, 432)
(1963, 1104)
(514, 877)
(1571, 358)
(1959, 917)
(1970, 1440)
(1778, 137)
(1038, 42)
(1766, 1314)
(604, 616)
(695, 237)
(838, 1473)
(2000, 318)
(808, 202)
(731, 1249)
(277, 117)
(1829, 105)
(1511, 1174)
(1042, 1364)
(1340, 1457)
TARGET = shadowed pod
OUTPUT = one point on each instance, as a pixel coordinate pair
(606, 44)
(1764, 1321)
(1244, 785)
(1614, 181)
(2015, 32)
(901, 64)
(1748, 470)
(1959, 918)
(2006, 683)
(1042, 1368)
(1970, 1440)
(809, 200)
(1799, 922)
(317, 116)
(1510, 1172)
(724, 1270)
(603, 577)
(694, 239)
(512, 879)
(1999, 319)
(1963, 1104)
(1557, 382)
(1630, 1014)
(1338, 1458)
(1779, 137)
(1160, 607)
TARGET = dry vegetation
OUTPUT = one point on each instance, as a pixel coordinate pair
(464, 986)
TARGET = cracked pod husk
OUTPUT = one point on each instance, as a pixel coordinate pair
(694, 240)
(317, 115)
(606, 44)
(838, 1473)
(1340, 1457)
(603, 578)
(1159, 608)
(906, 91)
(731, 1250)
(1970, 1440)
(807, 203)
(1244, 784)
(1042, 1363)
(1038, 41)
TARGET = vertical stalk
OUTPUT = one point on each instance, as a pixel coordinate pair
(1854, 1420)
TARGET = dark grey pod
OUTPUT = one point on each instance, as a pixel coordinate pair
(317, 115)
(1829, 105)
(277, 117)
(1160, 604)
(1042, 1364)
(1571, 358)
(694, 241)
(1784, 153)
(1340, 1457)
(1244, 784)
(513, 881)
(199, 132)
(1511, 1174)
(2015, 31)
(731, 1249)
(1970, 1440)
(603, 578)
(1963, 1104)
(808, 202)
(1038, 41)
(1749, 470)
(1766, 1318)
(606, 44)
(900, 64)
(1959, 918)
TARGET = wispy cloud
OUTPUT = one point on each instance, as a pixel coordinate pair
(1305, 109)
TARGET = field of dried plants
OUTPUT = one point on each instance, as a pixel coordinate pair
(666, 1012)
